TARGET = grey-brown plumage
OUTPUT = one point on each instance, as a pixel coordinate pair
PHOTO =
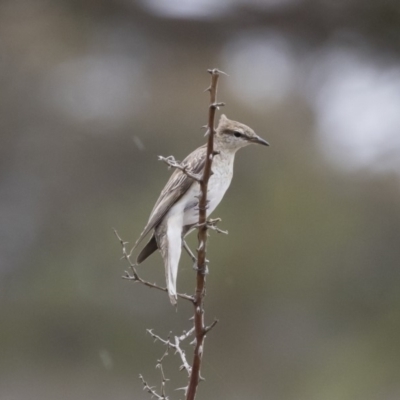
(175, 213)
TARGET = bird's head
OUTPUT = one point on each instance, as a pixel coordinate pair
(232, 135)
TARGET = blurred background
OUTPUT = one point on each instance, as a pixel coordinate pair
(306, 284)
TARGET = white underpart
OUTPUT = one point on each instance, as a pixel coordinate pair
(217, 186)
(178, 218)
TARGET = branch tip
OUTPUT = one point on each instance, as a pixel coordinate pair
(216, 71)
(208, 328)
(216, 106)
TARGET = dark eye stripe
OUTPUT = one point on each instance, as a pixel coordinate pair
(234, 133)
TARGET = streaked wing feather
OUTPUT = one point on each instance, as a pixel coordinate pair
(177, 185)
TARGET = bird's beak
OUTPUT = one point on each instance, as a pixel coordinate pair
(258, 140)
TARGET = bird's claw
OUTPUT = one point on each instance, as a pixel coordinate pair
(203, 270)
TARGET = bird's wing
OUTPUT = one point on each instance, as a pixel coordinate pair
(177, 185)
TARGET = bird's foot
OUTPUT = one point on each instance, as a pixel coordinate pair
(203, 269)
(212, 224)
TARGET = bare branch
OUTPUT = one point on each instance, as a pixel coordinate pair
(182, 354)
(212, 224)
(150, 389)
(163, 380)
(216, 71)
(199, 330)
(198, 302)
(175, 346)
(185, 335)
(185, 389)
(134, 276)
(171, 162)
(156, 337)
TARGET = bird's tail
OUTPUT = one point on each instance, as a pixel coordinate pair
(171, 285)
(171, 268)
(170, 246)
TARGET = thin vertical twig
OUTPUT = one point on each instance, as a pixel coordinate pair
(200, 328)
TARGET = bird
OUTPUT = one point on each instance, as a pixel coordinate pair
(176, 211)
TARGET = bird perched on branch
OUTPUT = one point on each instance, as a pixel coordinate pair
(176, 212)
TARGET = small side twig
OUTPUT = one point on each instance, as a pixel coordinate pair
(134, 276)
(163, 380)
(185, 335)
(171, 162)
(151, 390)
(209, 327)
(182, 355)
(176, 347)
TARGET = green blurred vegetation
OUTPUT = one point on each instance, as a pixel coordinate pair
(306, 283)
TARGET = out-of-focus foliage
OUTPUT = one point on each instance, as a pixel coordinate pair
(306, 285)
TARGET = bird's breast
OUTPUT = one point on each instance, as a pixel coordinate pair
(217, 186)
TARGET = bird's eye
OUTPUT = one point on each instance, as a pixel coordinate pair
(237, 133)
